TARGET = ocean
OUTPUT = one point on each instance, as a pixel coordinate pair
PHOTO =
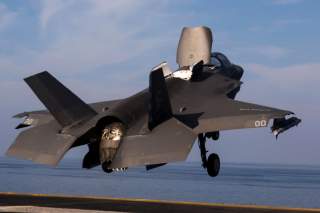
(275, 185)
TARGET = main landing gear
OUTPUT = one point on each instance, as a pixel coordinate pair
(212, 164)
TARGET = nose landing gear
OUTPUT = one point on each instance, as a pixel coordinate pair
(212, 164)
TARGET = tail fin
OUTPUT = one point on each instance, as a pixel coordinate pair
(64, 106)
(159, 105)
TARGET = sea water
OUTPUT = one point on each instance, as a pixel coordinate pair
(276, 185)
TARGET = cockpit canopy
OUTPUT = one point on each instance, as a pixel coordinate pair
(219, 60)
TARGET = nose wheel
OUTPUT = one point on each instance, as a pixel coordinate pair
(212, 163)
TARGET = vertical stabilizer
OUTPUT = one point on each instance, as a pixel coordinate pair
(65, 107)
(159, 102)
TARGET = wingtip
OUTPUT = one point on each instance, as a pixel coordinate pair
(20, 115)
(39, 73)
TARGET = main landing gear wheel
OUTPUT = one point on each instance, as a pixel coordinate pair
(212, 164)
(213, 135)
(105, 168)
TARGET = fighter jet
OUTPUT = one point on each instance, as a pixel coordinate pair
(156, 126)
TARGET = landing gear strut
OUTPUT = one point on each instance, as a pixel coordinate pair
(212, 164)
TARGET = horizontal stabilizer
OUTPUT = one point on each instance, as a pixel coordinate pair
(42, 144)
(64, 106)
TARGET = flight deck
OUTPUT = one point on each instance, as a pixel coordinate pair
(14, 202)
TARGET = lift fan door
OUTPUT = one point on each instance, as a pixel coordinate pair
(194, 46)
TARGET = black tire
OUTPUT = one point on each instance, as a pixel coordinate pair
(213, 165)
(105, 167)
(213, 135)
(216, 136)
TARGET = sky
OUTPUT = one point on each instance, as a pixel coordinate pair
(105, 50)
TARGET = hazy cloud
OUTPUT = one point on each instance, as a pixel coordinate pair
(286, 2)
(6, 16)
(294, 76)
(80, 36)
(268, 51)
(51, 8)
(278, 25)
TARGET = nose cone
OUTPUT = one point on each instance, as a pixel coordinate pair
(194, 45)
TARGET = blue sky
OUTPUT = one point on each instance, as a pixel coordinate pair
(105, 49)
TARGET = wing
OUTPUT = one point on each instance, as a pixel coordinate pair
(225, 114)
(168, 142)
